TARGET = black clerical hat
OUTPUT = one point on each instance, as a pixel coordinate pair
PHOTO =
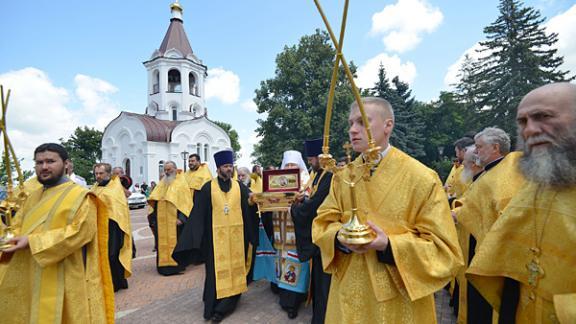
(313, 147)
(224, 157)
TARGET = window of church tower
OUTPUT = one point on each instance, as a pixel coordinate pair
(174, 113)
(193, 86)
(174, 81)
(156, 82)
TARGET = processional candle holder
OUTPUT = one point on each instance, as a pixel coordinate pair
(354, 231)
(10, 205)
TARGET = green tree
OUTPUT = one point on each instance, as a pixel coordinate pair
(84, 149)
(447, 119)
(407, 134)
(233, 134)
(294, 101)
(3, 172)
(518, 56)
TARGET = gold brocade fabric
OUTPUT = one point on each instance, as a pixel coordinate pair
(565, 308)
(196, 179)
(228, 240)
(487, 197)
(168, 200)
(540, 218)
(177, 193)
(406, 200)
(29, 185)
(115, 205)
(166, 232)
(455, 186)
(255, 183)
(49, 281)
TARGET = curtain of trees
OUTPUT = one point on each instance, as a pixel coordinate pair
(517, 56)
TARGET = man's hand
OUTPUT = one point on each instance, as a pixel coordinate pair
(380, 243)
(300, 197)
(20, 242)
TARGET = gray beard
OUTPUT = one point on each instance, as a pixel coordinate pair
(466, 175)
(554, 165)
(168, 179)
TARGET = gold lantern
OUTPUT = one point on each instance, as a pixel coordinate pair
(10, 205)
(354, 231)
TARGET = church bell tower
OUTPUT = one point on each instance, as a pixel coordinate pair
(175, 75)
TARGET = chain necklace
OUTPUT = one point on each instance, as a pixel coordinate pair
(226, 198)
(535, 270)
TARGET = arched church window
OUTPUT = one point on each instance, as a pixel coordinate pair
(198, 150)
(206, 152)
(153, 106)
(193, 85)
(174, 81)
(155, 82)
(160, 169)
(174, 113)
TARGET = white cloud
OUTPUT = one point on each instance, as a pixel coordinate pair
(249, 105)
(368, 72)
(40, 112)
(223, 85)
(97, 108)
(565, 25)
(247, 142)
(451, 76)
(403, 23)
(37, 111)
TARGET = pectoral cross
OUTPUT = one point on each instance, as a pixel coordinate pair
(226, 209)
(535, 271)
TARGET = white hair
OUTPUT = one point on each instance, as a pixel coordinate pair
(494, 135)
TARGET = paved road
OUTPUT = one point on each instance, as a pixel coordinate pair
(152, 298)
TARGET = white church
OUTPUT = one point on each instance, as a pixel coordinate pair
(175, 121)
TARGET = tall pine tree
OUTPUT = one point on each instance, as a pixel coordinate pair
(518, 56)
(407, 134)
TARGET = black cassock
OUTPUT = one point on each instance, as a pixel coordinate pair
(302, 215)
(115, 243)
(167, 270)
(195, 243)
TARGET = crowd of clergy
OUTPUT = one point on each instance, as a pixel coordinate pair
(499, 234)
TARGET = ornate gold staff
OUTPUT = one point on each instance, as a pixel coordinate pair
(12, 203)
(353, 232)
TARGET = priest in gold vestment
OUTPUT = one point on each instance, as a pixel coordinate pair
(57, 271)
(479, 208)
(416, 252)
(525, 266)
(454, 184)
(110, 192)
(170, 205)
(197, 175)
(221, 229)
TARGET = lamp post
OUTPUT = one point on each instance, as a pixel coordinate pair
(184, 155)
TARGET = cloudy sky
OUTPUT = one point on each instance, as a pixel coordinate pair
(75, 63)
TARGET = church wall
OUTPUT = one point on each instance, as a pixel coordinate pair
(123, 142)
